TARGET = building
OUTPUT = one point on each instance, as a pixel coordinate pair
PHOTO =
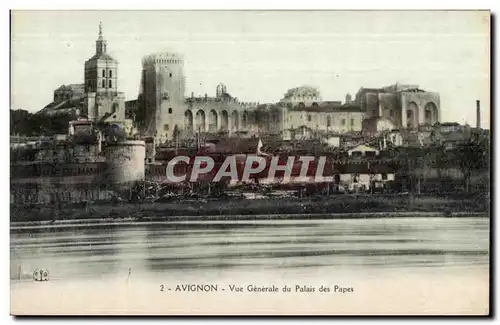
(161, 98)
(69, 92)
(406, 106)
(98, 98)
(68, 99)
(363, 151)
(305, 115)
(164, 112)
(102, 98)
(375, 125)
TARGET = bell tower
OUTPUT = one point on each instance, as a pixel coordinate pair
(101, 86)
(101, 70)
(100, 44)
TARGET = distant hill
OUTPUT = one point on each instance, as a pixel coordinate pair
(25, 123)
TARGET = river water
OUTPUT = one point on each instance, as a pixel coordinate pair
(368, 255)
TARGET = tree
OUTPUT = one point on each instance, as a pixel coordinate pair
(26, 124)
(440, 159)
(473, 155)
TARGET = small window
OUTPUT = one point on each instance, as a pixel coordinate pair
(104, 84)
(384, 176)
(104, 73)
(352, 122)
(343, 121)
(170, 74)
(391, 113)
(110, 84)
(165, 127)
(308, 118)
(170, 110)
(110, 73)
(328, 121)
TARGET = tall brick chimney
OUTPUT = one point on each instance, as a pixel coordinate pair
(478, 114)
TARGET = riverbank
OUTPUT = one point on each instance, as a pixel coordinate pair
(341, 206)
(237, 218)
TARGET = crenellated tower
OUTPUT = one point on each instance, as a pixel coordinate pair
(162, 98)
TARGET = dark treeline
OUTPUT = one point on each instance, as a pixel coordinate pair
(24, 123)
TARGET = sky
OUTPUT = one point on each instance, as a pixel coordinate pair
(259, 55)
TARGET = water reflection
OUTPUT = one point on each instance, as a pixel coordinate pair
(97, 251)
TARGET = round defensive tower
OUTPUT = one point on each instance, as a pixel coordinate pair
(163, 87)
(125, 160)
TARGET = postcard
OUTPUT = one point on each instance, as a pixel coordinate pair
(250, 163)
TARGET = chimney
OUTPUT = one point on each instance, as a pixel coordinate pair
(478, 114)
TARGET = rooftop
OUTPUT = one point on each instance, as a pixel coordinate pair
(102, 57)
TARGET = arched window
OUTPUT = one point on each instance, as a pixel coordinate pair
(103, 83)
(110, 84)
(170, 110)
(111, 73)
(103, 73)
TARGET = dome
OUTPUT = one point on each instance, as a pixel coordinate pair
(221, 90)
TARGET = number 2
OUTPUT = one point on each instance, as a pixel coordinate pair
(162, 287)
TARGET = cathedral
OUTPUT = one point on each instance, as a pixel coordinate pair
(102, 98)
(98, 98)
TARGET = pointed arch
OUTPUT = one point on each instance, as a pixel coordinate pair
(235, 120)
(431, 113)
(213, 124)
(188, 121)
(200, 121)
(412, 115)
(244, 122)
(224, 120)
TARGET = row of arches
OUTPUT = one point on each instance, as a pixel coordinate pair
(413, 118)
(216, 122)
(223, 121)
